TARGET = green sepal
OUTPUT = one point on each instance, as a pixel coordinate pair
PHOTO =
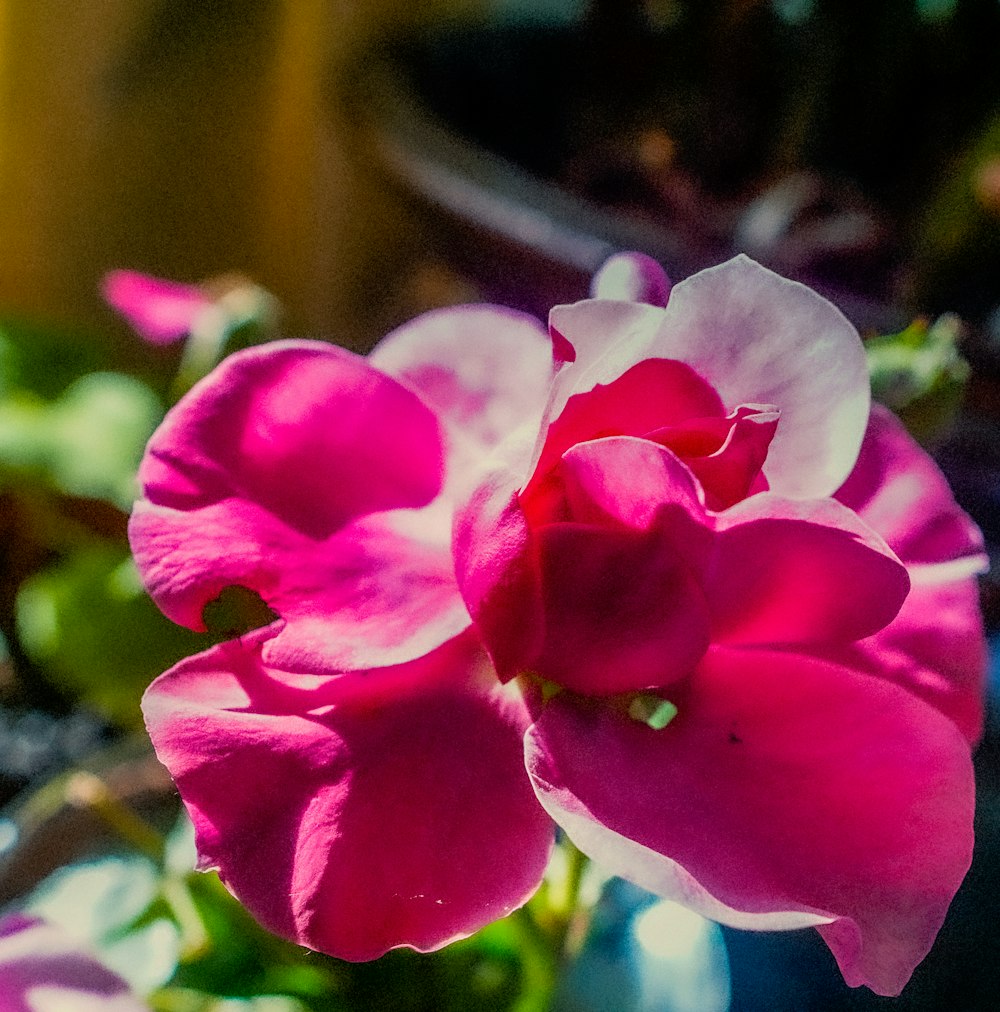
(652, 711)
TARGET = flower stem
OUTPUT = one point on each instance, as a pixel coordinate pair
(571, 912)
(194, 936)
(85, 790)
(539, 960)
(548, 927)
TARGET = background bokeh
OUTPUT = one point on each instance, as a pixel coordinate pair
(189, 139)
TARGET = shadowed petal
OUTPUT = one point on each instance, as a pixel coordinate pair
(772, 570)
(786, 571)
(935, 648)
(787, 791)
(497, 573)
(725, 454)
(628, 481)
(899, 491)
(621, 609)
(397, 813)
(606, 601)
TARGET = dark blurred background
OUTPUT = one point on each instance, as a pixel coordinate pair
(303, 141)
(188, 139)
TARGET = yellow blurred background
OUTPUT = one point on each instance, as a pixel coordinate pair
(188, 138)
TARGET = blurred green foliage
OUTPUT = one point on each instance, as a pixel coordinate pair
(85, 442)
(920, 374)
(183, 942)
(72, 433)
(89, 624)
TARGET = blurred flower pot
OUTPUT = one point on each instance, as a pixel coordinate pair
(820, 140)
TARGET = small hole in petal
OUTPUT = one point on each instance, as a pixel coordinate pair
(237, 610)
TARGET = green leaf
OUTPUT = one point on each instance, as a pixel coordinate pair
(100, 902)
(88, 623)
(182, 999)
(98, 430)
(920, 374)
(243, 960)
(44, 360)
(88, 442)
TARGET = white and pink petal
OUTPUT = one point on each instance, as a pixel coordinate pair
(756, 338)
(898, 490)
(484, 370)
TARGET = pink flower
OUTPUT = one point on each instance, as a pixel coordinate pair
(355, 771)
(43, 970)
(160, 311)
(723, 683)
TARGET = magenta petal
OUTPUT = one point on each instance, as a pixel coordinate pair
(649, 396)
(621, 609)
(485, 370)
(371, 594)
(262, 477)
(935, 648)
(629, 481)
(497, 573)
(42, 967)
(159, 311)
(787, 791)
(309, 432)
(606, 603)
(377, 822)
(731, 469)
(899, 491)
(786, 571)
